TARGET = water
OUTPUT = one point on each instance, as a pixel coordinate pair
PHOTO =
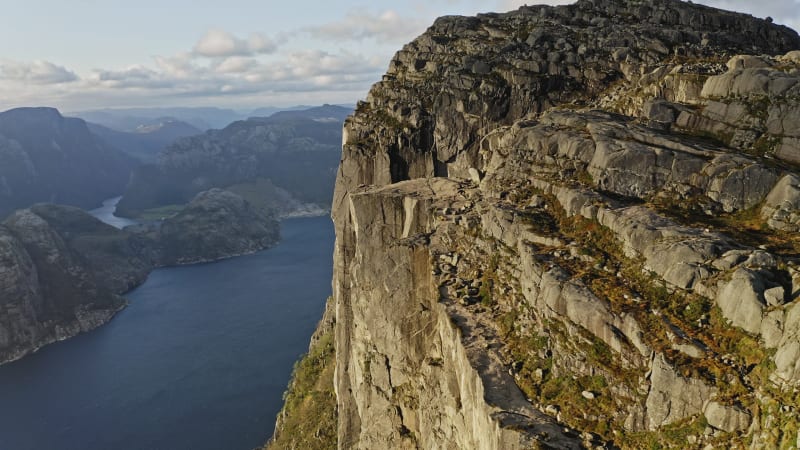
(106, 214)
(199, 360)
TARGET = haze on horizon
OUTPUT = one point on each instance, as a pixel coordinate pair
(238, 54)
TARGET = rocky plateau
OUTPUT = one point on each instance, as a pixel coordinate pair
(573, 227)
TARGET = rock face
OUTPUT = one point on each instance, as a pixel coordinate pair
(62, 270)
(297, 151)
(49, 292)
(555, 228)
(45, 157)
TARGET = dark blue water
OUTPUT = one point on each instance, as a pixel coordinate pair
(199, 360)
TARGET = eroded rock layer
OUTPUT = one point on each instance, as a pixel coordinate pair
(571, 226)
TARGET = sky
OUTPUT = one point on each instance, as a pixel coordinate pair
(241, 54)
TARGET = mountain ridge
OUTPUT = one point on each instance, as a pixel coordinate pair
(290, 150)
(48, 157)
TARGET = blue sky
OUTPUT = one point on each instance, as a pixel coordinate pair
(82, 54)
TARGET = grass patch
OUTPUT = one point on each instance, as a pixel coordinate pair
(162, 212)
(308, 418)
(675, 435)
(488, 280)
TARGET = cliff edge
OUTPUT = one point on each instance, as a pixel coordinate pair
(572, 226)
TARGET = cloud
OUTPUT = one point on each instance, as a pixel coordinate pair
(341, 76)
(36, 72)
(181, 65)
(387, 26)
(236, 64)
(218, 43)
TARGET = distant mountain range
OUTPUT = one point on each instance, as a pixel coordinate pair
(146, 141)
(296, 151)
(46, 157)
(130, 119)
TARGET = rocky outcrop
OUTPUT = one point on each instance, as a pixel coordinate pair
(549, 233)
(48, 291)
(673, 397)
(296, 151)
(726, 418)
(782, 206)
(216, 224)
(45, 157)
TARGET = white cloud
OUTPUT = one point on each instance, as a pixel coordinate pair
(36, 72)
(236, 64)
(387, 26)
(218, 43)
(179, 66)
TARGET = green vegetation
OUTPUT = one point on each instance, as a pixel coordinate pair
(675, 435)
(488, 280)
(260, 193)
(308, 418)
(159, 213)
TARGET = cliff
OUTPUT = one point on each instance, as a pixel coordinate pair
(570, 226)
(62, 271)
(48, 291)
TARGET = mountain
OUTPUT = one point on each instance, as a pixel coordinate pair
(49, 292)
(130, 119)
(567, 227)
(62, 271)
(270, 110)
(295, 151)
(324, 113)
(216, 224)
(47, 157)
(146, 141)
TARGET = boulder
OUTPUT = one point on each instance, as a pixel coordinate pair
(671, 396)
(741, 300)
(727, 418)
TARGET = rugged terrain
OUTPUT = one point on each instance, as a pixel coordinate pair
(62, 271)
(146, 141)
(48, 288)
(216, 224)
(295, 151)
(45, 157)
(564, 227)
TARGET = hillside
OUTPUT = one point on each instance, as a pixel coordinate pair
(569, 227)
(62, 271)
(146, 141)
(295, 151)
(45, 157)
